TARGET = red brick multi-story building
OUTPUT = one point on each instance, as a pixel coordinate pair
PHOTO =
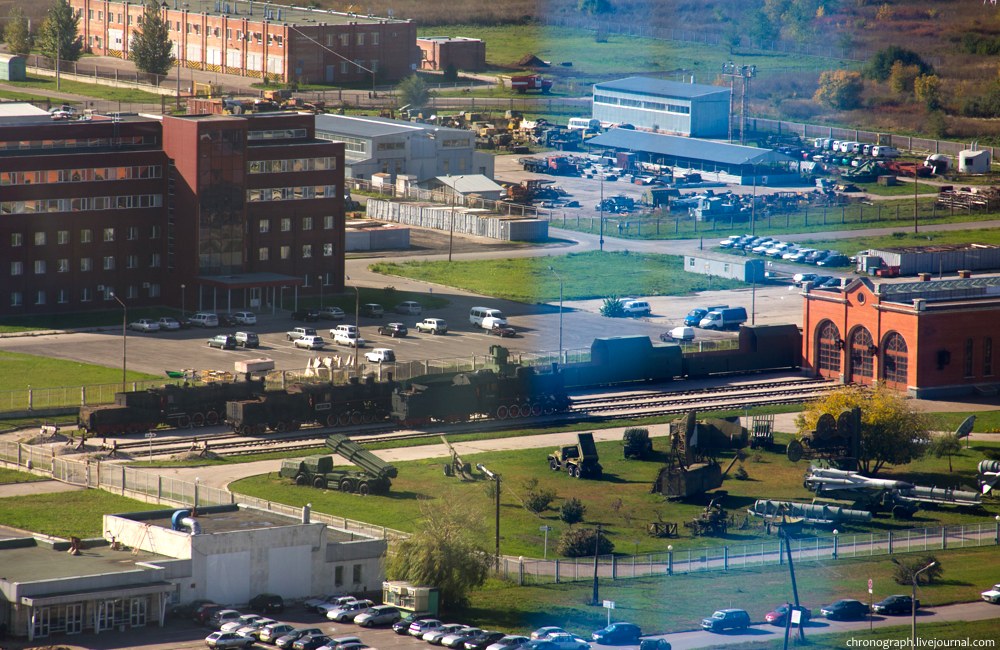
(927, 338)
(255, 39)
(441, 51)
(213, 212)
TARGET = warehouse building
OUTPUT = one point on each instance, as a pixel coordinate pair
(929, 338)
(439, 52)
(695, 110)
(375, 145)
(657, 153)
(205, 212)
(255, 39)
(147, 560)
(936, 259)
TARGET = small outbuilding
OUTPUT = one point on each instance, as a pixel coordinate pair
(974, 162)
(13, 67)
(726, 266)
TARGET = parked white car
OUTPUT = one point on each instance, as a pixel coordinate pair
(992, 595)
(144, 325)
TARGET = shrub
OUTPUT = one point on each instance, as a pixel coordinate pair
(880, 65)
(572, 511)
(613, 307)
(537, 500)
(579, 542)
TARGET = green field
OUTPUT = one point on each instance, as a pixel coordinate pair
(585, 275)
(48, 85)
(17, 371)
(66, 514)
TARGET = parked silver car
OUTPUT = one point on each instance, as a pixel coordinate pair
(378, 615)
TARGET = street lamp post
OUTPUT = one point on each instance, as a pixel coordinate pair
(600, 207)
(319, 279)
(124, 335)
(357, 328)
(496, 478)
(913, 594)
(183, 301)
(558, 277)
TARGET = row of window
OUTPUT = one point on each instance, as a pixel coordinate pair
(86, 264)
(79, 143)
(292, 193)
(82, 204)
(87, 294)
(292, 165)
(285, 252)
(643, 104)
(345, 39)
(351, 144)
(86, 236)
(85, 175)
(285, 224)
(462, 143)
(277, 134)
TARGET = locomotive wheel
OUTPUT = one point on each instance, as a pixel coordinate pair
(294, 425)
(536, 409)
(183, 422)
(319, 482)
(502, 412)
(301, 479)
(347, 485)
(794, 451)
(212, 418)
(553, 465)
(238, 429)
(331, 420)
(364, 489)
(281, 426)
(368, 417)
(198, 419)
(344, 419)
(356, 417)
(514, 410)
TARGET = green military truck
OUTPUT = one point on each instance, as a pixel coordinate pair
(579, 460)
(369, 475)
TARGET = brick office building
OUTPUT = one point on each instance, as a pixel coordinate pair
(927, 338)
(205, 212)
(255, 39)
(438, 52)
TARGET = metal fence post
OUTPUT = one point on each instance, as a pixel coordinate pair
(944, 538)
(725, 558)
(890, 542)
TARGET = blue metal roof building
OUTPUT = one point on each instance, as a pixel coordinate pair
(658, 105)
(732, 163)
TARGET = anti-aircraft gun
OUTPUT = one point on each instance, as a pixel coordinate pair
(457, 466)
(370, 474)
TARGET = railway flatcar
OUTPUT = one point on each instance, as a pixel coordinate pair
(761, 347)
(356, 402)
(178, 406)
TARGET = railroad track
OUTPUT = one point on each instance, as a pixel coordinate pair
(589, 408)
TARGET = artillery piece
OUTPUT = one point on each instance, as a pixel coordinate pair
(457, 466)
(714, 520)
(833, 437)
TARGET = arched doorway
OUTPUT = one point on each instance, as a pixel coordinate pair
(828, 352)
(894, 361)
(861, 357)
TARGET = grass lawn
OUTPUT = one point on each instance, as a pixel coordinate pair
(8, 476)
(65, 514)
(621, 502)
(585, 275)
(677, 603)
(21, 370)
(902, 189)
(96, 91)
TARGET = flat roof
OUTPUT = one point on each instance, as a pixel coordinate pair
(37, 561)
(229, 520)
(260, 11)
(446, 39)
(370, 127)
(470, 183)
(22, 109)
(684, 147)
(934, 290)
(660, 87)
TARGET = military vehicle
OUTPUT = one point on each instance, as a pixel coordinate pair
(579, 460)
(369, 475)
(636, 443)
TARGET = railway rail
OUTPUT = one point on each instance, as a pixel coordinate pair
(620, 406)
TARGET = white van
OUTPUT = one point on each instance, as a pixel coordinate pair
(636, 308)
(205, 319)
(486, 317)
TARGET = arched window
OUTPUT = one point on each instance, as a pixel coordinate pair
(830, 346)
(862, 352)
(894, 359)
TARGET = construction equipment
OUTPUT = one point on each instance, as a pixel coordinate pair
(524, 83)
(457, 466)
(579, 460)
(636, 443)
(372, 475)
(833, 437)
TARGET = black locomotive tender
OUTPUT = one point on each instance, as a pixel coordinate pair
(509, 391)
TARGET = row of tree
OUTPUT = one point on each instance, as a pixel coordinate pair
(58, 37)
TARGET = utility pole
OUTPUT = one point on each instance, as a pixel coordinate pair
(597, 546)
(496, 478)
(745, 73)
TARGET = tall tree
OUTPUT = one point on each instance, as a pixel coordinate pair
(150, 45)
(448, 550)
(840, 89)
(16, 34)
(58, 33)
(891, 431)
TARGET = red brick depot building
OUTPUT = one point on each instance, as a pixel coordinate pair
(928, 338)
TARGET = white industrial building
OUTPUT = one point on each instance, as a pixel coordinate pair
(696, 110)
(227, 554)
(726, 266)
(375, 145)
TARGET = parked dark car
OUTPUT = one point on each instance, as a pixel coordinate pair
(285, 642)
(402, 626)
(845, 610)
(777, 615)
(393, 329)
(654, 644)
(726, 619)
(834, 260)
(306, 315)
(503, 331)
(267, 604)
(189, 610)
(223, 342)
(617, 633)
(895, 605)
(203, 614)
(311, 642)
(480, 641)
